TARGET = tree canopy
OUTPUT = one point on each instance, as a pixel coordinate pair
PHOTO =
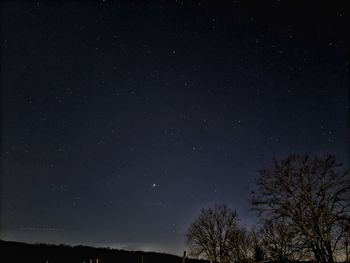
(312, 195)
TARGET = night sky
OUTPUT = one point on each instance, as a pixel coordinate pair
(122, 119)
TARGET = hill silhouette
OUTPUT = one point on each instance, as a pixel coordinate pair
(22, 252)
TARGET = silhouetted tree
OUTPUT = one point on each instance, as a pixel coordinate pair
(280, 241)
(311, 195)
(241, 245)
(258, 253)
(258, 249)
(346, 241)
(210, 235)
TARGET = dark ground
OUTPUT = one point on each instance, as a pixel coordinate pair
(26, 253)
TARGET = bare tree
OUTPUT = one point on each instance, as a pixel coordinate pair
(345, 250)
(258, 246)
(280, 242)
(311, 195)
(241, 245)
(210, 234)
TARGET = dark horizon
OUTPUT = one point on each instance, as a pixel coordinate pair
(120, 120)
(19, 251)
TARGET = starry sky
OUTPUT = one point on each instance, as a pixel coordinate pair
(120, 120)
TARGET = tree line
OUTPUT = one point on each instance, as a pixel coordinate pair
(303, 209)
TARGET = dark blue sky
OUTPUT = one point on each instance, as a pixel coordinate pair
(122, 119)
